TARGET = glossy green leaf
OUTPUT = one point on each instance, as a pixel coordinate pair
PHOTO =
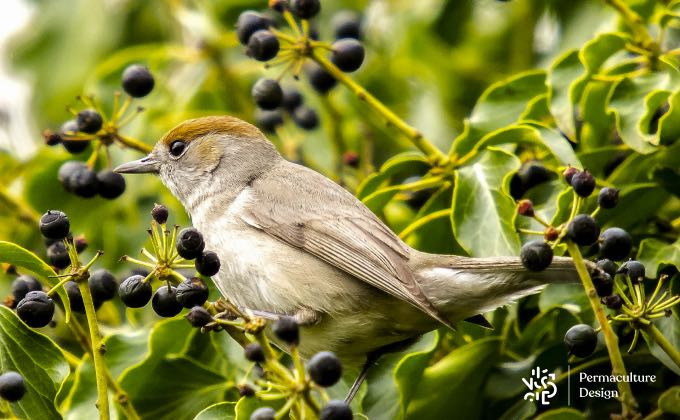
(38, 360)
(522, 409)
(246, 405)
(219, 411)
(564, 413)
(482, 210)
(669, 401)
(411, 163)
(561, 75)
(500, 105)
(453, 380)
(654, 254)
(670, 329)
(14, 254)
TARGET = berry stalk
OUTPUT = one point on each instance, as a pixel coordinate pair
(628, 402)
(97, 353)
(635, 23)
(667, 347)
(436, 157)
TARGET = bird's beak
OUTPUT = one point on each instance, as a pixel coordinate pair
(147, 165)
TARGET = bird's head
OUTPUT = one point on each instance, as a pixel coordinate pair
(205, 154)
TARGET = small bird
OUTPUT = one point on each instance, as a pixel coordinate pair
(292, 242)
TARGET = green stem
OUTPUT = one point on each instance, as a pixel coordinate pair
(611, 340)
(20, 209)
(635, 23)
(97, 355)
(436, 157)
(671, 351)
(133, 143)
(423, 221)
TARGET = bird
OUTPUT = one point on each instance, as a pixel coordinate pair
(294, 243)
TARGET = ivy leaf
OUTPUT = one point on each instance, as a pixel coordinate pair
(38, 360)
(453, 380)
(500, 105)
(219, 411)
(669, 328)
(410, 163)
(246, 405)
(561, 76)
(654, 253)
(669, 401)
(21, 257)
(482, 210)
(563, 413)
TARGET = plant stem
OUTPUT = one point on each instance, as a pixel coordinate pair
(635, 23)
(436, 157)
(671, 351)
(133, 143)
(97, 356)
(628, 402)
(22, 210)
(423, 221)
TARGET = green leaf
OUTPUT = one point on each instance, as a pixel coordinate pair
(597, 122)
(563, 413)
(669, 401)
(501, 104)
(654, 254)
(598, 50)
(566, 296)
(669, 123)
(410, 163)
(38, 360)
(246, 405)
(482, 210)
(219, 411)
(452, 381)
(561, 76)
(21, 257)
(522, 409)
(645, 198)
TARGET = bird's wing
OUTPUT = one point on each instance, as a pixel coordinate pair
(308, 211)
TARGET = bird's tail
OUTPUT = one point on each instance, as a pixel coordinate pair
(461, 287)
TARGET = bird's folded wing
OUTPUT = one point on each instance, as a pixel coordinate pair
(345, 234)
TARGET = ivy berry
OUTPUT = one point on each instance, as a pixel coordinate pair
(24, 284)
(325, 368)
(164, 302)
(89, 121)
(103, 285)
(336, 410)
(248, 23)
(305, 9)
(263, 413)
(286, 328)
(110, 184)
(254, 353)
(135, 292)
(536, 255)
(12, 386)
(208, 264)
(581, 340)
(36, 309)
(583, 230)
(137, 81)
(615, 244)
(608, 198)
(190, 243)
(54, 225)
(634, 269)
(348, 54)
(262, 45)
(583, 183)
(267, 94)
(160, 213)
(192, 292)
(199, 317)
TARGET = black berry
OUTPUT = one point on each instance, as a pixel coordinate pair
(569, 174)
(54, 224)
(80, 243)
(336, 410)
(70, 128)
(66, 170)
(58, 256)
(320, 79)
(615, 243)
(305, 9)
(613, 302)
(263, 413)
(137, 81)
(268, 121)
(74, 296)
(581, 340)
(89, 121)
(532, 174)
(306, 118)
(160, 213)
(245, 390)
(134, 292)
(634, 269)
(36, 309)
(51, 138)
(12, 386)
(608, 266)
(208, 264)
(164, 302)
(608, 198)
(254, 353)
(536, 255)
(583, 230)
(287, 329)
(110, 184)
(198, 317)
(248, 23)
(103, 285)
(604, 285)
(325, 368)
(583, 183)
(263, 45)
(83, 182)
(24, 284)
(192, 292)
(348, 54)
(190, 243)
(267, 93)
(292, 98)
(346, 24)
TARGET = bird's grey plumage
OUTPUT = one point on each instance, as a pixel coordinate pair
(293, 242)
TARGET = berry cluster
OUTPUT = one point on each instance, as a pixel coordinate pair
(92, 125)
(172, 250)
(264, 42)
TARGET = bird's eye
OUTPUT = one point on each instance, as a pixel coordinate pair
(177, 147)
